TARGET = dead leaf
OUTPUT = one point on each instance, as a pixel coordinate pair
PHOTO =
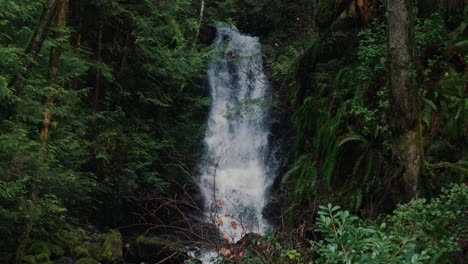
(219, 221)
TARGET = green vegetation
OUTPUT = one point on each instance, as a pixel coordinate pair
(103, 109)
(417, 232)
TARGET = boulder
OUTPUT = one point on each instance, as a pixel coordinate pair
(80, 252)
(40, 247)
(148, 248)
(111, 250)
(63, 260)
(43, 258)
(87, 261)
(56, 251)
(29, 259)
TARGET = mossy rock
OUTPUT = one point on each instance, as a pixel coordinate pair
(56, 251)
(40, 248)
(94, 250)
(87, 261)
(29, 259)
(158, 242)
(112, 247)
(65, 243)
(42, 258)
(80, 252)
(64, 260)
(146, 248)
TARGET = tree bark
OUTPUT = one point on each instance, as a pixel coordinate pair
(405, 124)
(127, 44)
(46, 122)
(54, 65)
(80, 10)
(98, 71)
(200, 20)
(35, 44)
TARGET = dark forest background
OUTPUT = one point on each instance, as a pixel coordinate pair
(103, 108)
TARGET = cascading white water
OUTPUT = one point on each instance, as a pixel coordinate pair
(234, 181)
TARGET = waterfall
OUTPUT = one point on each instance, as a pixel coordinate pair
(234, 177)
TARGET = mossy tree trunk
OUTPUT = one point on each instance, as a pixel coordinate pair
(405, 123)
(35, 44)
(55, 53)
(98, 71)
(54, 64)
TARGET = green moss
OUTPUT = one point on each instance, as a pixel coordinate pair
(80, 252)
(64, 260)
(45, 248)
(145, 247)
(94, 250)
(28, 260)
(157, 242)
(66, 241)
(87, 261)
(42, 258)
(40, 248)
(326, 13)
(56, 250)
(112, 247)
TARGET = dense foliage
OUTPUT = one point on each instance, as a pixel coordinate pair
(417, 232)
(127, 116)
(102, 117)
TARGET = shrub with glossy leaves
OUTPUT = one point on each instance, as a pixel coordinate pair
(417, 232)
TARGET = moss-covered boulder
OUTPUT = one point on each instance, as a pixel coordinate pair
(94, 250)
(80, 252)
(64, 260)
(42, 258)
(56, 251)
(45, 248)
(40, 248)
(29, 259)
(87, 261)
(112, 248)
(148, 248)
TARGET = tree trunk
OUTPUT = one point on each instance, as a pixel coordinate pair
(200, 20)
(128, 42)
(80, 10)
(34, 45)
(54, 67)
(405, 124)
(46, 122)
(98, 71)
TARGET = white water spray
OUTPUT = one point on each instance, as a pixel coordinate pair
(234, 180)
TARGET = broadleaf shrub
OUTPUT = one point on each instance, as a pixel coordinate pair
(417, 232)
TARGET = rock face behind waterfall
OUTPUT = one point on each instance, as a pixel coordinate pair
(235, 175)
